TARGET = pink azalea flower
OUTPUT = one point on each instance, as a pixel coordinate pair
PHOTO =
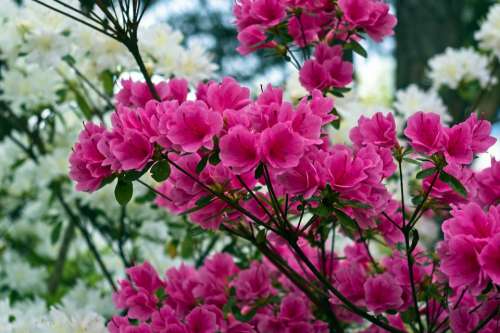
(227, 95)
(314, 75)
(194, 126)
(239, 149)
(340, 72)
(179, 285)
(116, 324)
(268, 12)
(425, 132)
(350, 278)
(481, 130)
(458, 144)
(460, 261)
(253, 38)
(200, 320)
(87, 167)
(344, 170)
(145, 276)
(280, 147)
(470, 220)
(295, 308)
(490, 259)
(489, 183)
(382, 292)
(462, 321)
(304, 28)
(322, 106)
(133, 149)
(379, 130)
(177, 90)
(304, 179)
(371, 15)
(253, 283)
(209, 217)
(221, 266)
(307, 124)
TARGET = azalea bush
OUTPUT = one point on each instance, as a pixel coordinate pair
(328, 233)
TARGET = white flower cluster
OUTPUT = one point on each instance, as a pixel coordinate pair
(30, 317)
(455, 66)
(413, 99)
(488, 35)
(35, 41)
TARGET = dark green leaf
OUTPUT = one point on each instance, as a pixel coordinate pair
(356, 47)
(83, 105)
(69, 59)
(259, 171)
(133, 175)
(56, 233)
(187, 247)
(426, 173)
(203, 201)
(410, 160)
(123, 192)
(107, 82)
(160, 171)
(321, 210)
(261, 237)
(346, 221)
(202, 164)
(354, 204)
(415, 239)
(454, 183)
(214, 158)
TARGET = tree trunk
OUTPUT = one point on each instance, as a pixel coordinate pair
(425, 28)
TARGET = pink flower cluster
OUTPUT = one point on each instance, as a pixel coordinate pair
(264, 24)
(190, 300)
(130, 144)
(458, 145)
(470, 251)
(258, 164)
(308, 22)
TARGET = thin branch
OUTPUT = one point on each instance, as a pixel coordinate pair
(76, 19)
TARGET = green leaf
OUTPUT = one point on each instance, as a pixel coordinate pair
(160, 171)
(415, 239)
(426, 173)
(55, 233)
(356, 47)
(454, 183)
(346, 221)
(354, 204)
(69, 59)
(261, 237)
(187, 247)
(83, 105)
(321, 210)
(259, 171)
(123, 192)
(107, 82)
(214, 158)
(410, 160)
(202, 164)
(203, 201)
(133, 175)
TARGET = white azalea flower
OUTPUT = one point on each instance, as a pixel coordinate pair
(413, 99)
(489, 33)
(458, 65)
